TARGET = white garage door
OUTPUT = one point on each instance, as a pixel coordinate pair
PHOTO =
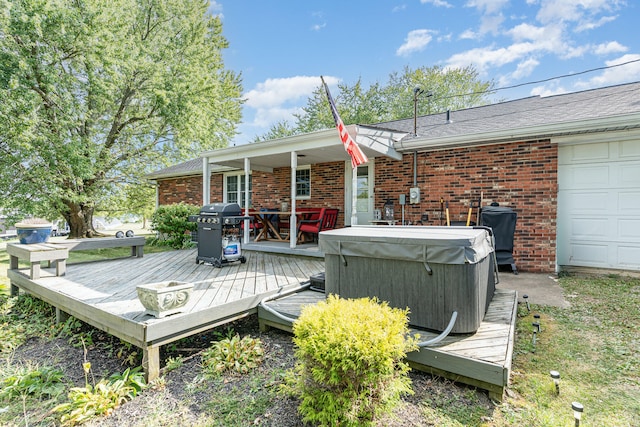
(599, 205)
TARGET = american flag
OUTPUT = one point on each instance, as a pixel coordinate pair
(357, 156)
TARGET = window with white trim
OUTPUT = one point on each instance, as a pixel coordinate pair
(303, 182)
(234, 188)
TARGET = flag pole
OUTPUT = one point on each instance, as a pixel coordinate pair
(351, 146)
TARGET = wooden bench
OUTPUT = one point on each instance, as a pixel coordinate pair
(34, 254)
(136, 243)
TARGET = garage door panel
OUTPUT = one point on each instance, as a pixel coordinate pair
(587, 254)
(629, 175)
(629, 229)
(584, 177)
(629, 202)
(599, 205)
(629, 150)
(629, 257)
(591, 152)
(589, 228)
(587, 202)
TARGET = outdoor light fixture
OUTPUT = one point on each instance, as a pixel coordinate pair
(537, 317)
(536, 327)
(526, 300)
(577, 412)
(533, 340)
(555, 375)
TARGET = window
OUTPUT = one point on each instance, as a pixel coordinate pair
(234, 188)
(303, 182)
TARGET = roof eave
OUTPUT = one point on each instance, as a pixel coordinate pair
(626, 121)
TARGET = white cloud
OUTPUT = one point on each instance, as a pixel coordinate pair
(437, 3)
(488, 57)
(215, 8)
(415, 41)
(318, 27)
(491, 14)
(549, 90)
(525, 68)
(278, 99)
(574, 10)
(468, 34)
(611, 47)
(488, 6)
(611, 76)
(275, 92)
(590, 25)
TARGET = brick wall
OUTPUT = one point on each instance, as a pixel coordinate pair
(188, 190)
(522, 176)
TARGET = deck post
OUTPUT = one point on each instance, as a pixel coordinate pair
(61, 316)
(151, 362)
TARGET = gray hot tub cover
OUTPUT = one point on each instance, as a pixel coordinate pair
(441, 245)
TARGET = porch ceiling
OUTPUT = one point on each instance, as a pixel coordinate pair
(316, 147)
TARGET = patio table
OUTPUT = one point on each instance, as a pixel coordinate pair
(268, 231)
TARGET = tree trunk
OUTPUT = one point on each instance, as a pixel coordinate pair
(80, 219)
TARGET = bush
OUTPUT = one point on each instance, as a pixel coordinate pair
(350, 366)
(172, 226)
(232, 354)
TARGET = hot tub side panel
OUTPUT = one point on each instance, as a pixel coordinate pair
(431, 298)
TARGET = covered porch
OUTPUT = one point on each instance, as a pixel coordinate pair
(312, 170)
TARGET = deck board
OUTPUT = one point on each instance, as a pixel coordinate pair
(103, 293)
(481, 359)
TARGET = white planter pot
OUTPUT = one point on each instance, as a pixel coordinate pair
(164, 298)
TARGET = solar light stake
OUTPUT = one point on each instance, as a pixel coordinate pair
(536, 327)
(577, 412)
(555, 375)
(533, 341)
(537, 317)
(526, 300)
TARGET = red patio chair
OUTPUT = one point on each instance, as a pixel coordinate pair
(326, 219)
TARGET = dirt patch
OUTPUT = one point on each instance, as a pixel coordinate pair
(183, 397)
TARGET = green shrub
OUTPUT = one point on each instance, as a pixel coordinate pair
(232, 354)
(350, 366)
(90, 402)
(172, 226)
(36, 381)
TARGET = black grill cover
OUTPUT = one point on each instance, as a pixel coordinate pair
(502, 221)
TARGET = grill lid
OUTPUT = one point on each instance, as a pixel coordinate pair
(221, 209)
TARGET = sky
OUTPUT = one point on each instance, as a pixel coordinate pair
(281, 48)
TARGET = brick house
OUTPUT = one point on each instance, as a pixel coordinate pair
(569, 165)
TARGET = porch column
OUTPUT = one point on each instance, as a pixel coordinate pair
(292, 219)
(354, 196)
(247, 168)
(206, 181)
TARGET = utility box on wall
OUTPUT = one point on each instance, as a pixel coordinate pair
(414, 195)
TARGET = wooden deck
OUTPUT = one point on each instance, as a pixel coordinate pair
(482, 359)
(103, 294)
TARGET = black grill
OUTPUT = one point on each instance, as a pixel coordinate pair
(218, 235)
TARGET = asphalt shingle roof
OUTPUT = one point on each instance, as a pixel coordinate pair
(526, 112)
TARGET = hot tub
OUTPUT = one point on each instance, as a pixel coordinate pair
(433, 271)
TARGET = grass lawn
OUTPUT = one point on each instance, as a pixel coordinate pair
(594, 345)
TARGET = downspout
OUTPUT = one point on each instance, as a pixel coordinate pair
(206, 181)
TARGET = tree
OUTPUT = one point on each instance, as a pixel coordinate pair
(97, 93)
(447, 89)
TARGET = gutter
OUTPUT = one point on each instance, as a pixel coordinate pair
(624, 122)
